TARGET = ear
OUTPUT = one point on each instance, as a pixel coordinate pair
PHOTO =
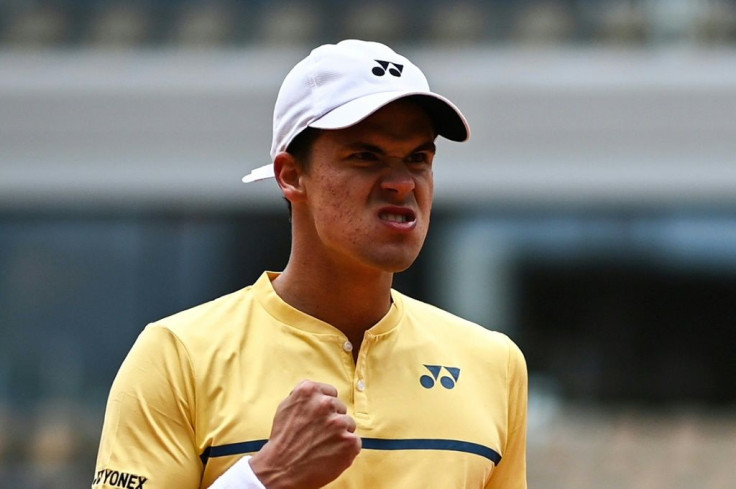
(288, 173)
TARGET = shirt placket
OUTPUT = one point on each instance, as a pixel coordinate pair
(346, 358)
(361, 383)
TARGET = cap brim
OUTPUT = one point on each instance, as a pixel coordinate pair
(261, 173)
(449, 121)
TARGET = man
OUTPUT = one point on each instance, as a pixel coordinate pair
(322, 375)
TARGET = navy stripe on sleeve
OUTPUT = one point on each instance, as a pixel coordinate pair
(231, 449)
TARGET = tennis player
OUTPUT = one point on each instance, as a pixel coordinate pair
(322, 375)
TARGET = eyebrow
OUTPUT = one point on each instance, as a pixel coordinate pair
(429, 146)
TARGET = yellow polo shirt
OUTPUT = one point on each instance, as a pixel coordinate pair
(439, 402)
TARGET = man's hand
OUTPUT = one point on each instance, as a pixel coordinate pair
(312, 440)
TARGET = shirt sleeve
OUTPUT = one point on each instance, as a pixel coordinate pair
(511, 471)
(148, 434)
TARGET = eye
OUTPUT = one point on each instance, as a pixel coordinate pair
(364, 156)
(364, 159)
(420, 157)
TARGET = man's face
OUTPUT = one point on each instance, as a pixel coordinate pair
(369, 189)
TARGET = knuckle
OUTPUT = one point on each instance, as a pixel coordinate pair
(336, 423)
(325, 405)
(304, 387)
(339, 406)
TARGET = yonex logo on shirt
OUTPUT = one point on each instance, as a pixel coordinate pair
(448, 382)
(393, 68)
(119, 479)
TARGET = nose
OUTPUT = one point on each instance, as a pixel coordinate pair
(398, 181)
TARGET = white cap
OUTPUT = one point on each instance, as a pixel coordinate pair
(339, 85)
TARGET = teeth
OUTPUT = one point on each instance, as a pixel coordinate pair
(395, 217)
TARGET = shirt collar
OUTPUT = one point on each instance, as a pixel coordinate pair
(292, 317)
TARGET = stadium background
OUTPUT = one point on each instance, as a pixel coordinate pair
(592, 216)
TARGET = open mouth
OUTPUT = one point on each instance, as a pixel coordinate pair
(398, 216)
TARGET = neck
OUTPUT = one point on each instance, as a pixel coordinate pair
(350, 300)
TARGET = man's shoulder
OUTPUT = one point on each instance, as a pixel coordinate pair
(215, 317)
(444, 323)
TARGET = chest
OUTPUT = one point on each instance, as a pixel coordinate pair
(416, 407)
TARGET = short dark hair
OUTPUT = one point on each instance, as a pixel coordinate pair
(301, 148)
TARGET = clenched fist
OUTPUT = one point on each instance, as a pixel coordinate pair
(312, 440)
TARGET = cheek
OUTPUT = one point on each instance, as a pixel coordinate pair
(334, 204)
(426, 194)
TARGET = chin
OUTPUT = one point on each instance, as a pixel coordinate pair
(397, 264)
(393, 258)
(397, 269)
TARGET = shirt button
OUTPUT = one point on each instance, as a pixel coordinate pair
(360, 385)
(347, 346)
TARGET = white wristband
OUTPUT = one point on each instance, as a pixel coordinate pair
(239, 476)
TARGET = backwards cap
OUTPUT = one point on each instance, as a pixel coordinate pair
(339, 85)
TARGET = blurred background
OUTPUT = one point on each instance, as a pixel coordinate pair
(592, 216)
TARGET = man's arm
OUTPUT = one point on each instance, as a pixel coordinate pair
(511, 471)
(148, 435)
(312, 442)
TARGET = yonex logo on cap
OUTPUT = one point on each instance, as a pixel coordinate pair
(344, 94)
(395, 68)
